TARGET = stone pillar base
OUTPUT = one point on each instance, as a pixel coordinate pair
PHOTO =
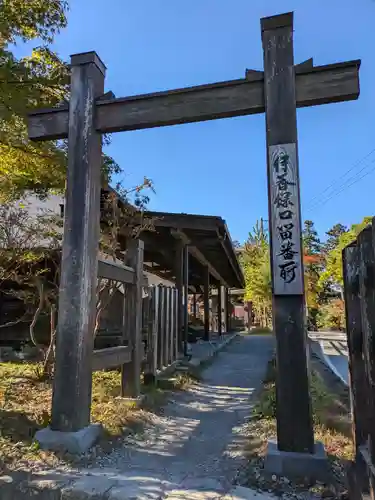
(314, 466)
(72, 442)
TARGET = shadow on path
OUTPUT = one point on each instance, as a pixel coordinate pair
(199, 438)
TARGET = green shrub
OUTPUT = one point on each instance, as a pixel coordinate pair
(331, 316)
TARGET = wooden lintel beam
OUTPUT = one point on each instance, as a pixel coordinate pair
(314, 86)
(186, 222)
(197, 254)
(304, 66)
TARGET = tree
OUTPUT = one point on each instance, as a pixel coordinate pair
(40, 80)
(333, 237)
(30, 253)
(32, 19)
(312, 269)
(255, 260)
(310, 238)
(29, 270)
(333, 269)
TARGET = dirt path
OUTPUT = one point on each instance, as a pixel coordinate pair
(197, 443)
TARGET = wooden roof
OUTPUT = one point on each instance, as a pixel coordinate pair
(209, 244)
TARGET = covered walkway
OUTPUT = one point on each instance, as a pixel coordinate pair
(196, 253)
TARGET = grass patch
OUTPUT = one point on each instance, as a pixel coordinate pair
(25, 402)
(260, 330)
(331, 420)
(332, 426)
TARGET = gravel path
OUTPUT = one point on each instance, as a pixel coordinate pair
(197, 443)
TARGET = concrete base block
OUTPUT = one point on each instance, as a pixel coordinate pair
(314, 466)
(73, 442)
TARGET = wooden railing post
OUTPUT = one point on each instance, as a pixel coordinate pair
(171, 357)
(131, 372)
(206, 299)
(161, 327)
(358, 383)
(367, 293)
(175, 325)
(179, 285)
(151, 360)
(167, 326)
(219, 311)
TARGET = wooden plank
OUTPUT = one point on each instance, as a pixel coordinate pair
(358, 382)
(366, 246)
(319, 85)
(111, 357)
(206, 304)
(186, 221)
(71, 400)
(131, 373)
(294, 419)
(116, 272)
(285, 221)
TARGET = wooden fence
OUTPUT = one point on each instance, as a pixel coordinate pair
(359, 290)
(149, 340)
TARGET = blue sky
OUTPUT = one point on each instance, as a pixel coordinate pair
(219, 167)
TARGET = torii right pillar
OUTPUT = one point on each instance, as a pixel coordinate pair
(295, 451)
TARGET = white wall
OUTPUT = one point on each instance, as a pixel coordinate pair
(52, 204)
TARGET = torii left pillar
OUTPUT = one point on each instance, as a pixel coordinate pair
(71, 400)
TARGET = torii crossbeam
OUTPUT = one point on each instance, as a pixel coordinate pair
(277, 91)
(320, 85)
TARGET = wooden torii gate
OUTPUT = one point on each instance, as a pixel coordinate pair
(277, 91)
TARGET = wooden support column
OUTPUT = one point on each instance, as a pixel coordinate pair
(161, 327)
(172, 326)
(225, 310)
(179, 267)
(294, 419)
(206, 299)
(167, 312)
(186, 296)
(358, 381)
(219, 311)
(366, 245)
(71, 400)
(131, 372)
(175, 338)
(228, 310)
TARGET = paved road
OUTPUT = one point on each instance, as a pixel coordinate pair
(334, 349)
(197, 443)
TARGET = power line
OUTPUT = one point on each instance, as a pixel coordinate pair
(343, 188)
(334, 182)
